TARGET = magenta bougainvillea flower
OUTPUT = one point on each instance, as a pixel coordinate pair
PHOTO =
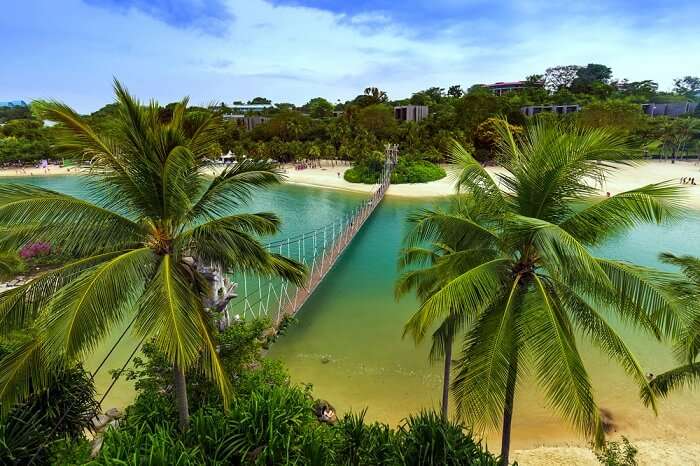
(31, 250)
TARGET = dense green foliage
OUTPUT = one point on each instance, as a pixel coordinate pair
(30, 429)
(136, 252)
(366, 123)
(268, 421)
(406, 170)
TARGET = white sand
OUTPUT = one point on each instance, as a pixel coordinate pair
(651, 453)
(623, 179)
(328, 176)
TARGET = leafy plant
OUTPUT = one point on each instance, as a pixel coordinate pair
(617, 454)
(429, 439)
(138, 249)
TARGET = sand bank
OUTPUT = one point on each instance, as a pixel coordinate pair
(651, 453)
(623, 179)
(329, 176)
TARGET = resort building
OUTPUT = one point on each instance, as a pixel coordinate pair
(411, 112)
(250, 108)
(13, 104)
(247, 121)
(501, 88)
(674, 109)
(533, 110)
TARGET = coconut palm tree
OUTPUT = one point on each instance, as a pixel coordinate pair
(531, 284)
(140, 248)
(376, 95)
(427, 269)
(688, 342)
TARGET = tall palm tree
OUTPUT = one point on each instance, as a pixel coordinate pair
(376, 95)
(427, 268)
(139, 249)
(688, 342)
(531, 284)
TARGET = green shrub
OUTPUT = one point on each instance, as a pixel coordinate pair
(360, 443)
(31, 427)
(616, 454)
(407, 170)
(427, 439)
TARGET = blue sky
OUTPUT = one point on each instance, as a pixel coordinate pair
(293, 50)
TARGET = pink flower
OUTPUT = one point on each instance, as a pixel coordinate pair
(31, 250)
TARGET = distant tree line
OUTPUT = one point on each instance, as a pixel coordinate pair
(353, 129)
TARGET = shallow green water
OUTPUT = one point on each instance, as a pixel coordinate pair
(353, 323)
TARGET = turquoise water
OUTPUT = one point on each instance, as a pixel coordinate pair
(348, 344)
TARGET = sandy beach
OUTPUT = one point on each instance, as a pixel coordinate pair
(623, 179)
(331, 177)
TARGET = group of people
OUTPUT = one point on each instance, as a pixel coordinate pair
(687, 180)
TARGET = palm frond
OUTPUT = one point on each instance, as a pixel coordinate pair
(559, 367)
(85, 310)
(641, 297)
(654, 203)
(232, 188)
(20, 307)
(490, 349)
(473, 290)
(596, 328)
(170, 313)
(687, 375)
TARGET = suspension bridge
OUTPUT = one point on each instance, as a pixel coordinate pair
(317, 249)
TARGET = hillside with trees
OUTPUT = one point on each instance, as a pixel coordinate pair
(354, 129)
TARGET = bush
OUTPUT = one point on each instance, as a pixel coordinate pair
(616, 454)
(427, 439)
(30, 429)
(407, 170)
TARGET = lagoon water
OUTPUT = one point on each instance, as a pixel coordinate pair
(347, 341)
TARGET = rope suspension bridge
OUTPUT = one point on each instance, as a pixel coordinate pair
(317, 249)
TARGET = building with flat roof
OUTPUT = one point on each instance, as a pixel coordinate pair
(250, 108)
(247, 121)
(411, 112)
(501, 88)
(13, 104)
(533, 110)
(674, 109)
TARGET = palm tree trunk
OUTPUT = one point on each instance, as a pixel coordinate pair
(446, 378)
(508, 412)
(183, 409)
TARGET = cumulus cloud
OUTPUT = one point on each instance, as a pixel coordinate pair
(291, 52)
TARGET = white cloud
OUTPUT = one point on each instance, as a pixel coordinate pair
(71, 51)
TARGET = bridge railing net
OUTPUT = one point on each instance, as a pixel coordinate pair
(317, 249)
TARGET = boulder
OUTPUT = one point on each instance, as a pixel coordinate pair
(325, 412)
(114, 413)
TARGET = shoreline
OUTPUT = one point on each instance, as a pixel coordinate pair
(331, 177)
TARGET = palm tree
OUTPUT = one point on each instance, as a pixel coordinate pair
(376, 95)
(530, 284)
(140, 248)
(427, 269)
(688, 342)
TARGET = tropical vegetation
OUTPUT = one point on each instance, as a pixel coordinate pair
(321, 130)
(408, 169)
(138, 251)
(523, 283)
